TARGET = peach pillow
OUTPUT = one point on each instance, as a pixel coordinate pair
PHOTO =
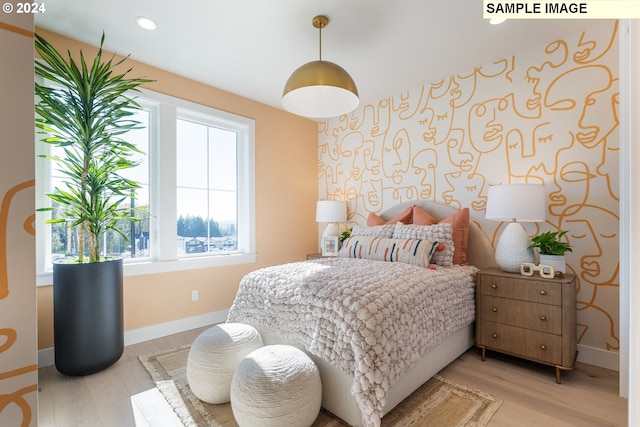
(420, 217)
(460, 225)
(405, 217)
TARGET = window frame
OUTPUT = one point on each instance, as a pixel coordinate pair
(165, 110)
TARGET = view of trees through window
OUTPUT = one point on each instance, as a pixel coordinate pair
(207, 187)
(203, 181)
(206, 178)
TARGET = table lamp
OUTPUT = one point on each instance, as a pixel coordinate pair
(331, 212)
(516, 203)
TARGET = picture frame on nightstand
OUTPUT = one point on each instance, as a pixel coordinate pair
(330, 246)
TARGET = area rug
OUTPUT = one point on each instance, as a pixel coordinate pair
(438, 402)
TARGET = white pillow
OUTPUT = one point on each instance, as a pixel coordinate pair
(385, 230)
(408, 251)
(441, 233)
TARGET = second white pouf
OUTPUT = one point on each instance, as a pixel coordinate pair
(214, 356)
(276, 386)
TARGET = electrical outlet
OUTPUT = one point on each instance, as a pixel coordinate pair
(194, 295)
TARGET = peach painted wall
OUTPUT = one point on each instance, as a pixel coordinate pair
(546, 115)
(286, 194)
(18, 362)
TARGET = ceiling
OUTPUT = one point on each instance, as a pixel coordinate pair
(251, 47)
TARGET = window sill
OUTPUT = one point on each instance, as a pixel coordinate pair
(155, 267)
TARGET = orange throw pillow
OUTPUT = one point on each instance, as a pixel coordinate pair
(420, 217)
(460, 225)
(405, 217)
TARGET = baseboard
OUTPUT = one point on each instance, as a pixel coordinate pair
(599, 357)
(134, 336)
(590, 355)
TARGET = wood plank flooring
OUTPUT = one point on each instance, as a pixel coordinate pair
(588, 395)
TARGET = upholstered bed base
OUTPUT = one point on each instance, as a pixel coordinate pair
(336, 385)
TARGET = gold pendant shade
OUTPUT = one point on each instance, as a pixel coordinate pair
(320, 89)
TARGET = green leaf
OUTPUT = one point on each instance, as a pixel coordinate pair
(87, 111)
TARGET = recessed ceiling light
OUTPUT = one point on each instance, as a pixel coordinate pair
(496, 21)
(146, 23)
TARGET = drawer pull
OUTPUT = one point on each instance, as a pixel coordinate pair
(494, 335)
(494, 286)
(494, 309)
(543, 292)
(543, 347)
(543, 318)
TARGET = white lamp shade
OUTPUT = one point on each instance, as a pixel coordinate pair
(331, 211)
(516, 202)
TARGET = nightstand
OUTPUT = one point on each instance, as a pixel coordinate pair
(315, 256)
(527, 316)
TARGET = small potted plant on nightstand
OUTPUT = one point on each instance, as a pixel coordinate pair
(552, 251)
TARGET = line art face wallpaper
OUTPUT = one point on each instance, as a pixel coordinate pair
(547, 115)
(18, 357)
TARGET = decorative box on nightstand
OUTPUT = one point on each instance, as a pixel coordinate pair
(530, 317)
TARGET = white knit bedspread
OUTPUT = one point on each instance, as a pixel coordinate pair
(371, 319)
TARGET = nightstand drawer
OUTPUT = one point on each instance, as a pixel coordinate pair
(529, 315)
(522, 342)
(521, 289)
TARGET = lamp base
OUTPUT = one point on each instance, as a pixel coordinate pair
(513, 248)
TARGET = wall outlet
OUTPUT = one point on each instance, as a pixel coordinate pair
(194, 295)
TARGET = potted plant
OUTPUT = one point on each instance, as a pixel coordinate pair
(551, 249)
(86, 111)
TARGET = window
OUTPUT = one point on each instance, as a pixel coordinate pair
(206, 187)
(197, 177)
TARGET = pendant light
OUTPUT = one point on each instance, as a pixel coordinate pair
(320, 89)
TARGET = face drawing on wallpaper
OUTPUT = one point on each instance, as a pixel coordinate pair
(406, 105)
(464, 160)
(570, 189)
(463, 187)
(357, 156)
(438, 114)
(396, 154)
(593, 244)
(424, 164)
(486, 134)
(533, 149)
(587, 104)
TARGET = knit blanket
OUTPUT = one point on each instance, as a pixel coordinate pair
(371, 319)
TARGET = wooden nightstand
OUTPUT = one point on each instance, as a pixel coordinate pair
(529, 317)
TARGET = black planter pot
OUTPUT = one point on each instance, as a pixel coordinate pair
(88, 316)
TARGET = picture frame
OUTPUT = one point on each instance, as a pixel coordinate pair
(330, 246)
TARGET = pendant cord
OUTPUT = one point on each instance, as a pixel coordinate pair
(320, 42)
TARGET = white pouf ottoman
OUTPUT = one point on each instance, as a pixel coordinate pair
(214, 356)
(276, 386)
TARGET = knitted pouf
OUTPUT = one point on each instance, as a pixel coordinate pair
(214, 356)
(276, 386)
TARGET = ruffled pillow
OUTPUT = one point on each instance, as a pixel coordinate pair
(441, 233)
(408, 251)
(375, 231)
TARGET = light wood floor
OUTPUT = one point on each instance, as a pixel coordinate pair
(588, 396)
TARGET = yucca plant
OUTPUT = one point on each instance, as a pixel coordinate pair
(86, 111)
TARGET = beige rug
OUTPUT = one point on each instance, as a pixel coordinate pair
(438, 402)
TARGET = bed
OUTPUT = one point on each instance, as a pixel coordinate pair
(377, 330)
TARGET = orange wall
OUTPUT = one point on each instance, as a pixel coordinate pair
(286, 194)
